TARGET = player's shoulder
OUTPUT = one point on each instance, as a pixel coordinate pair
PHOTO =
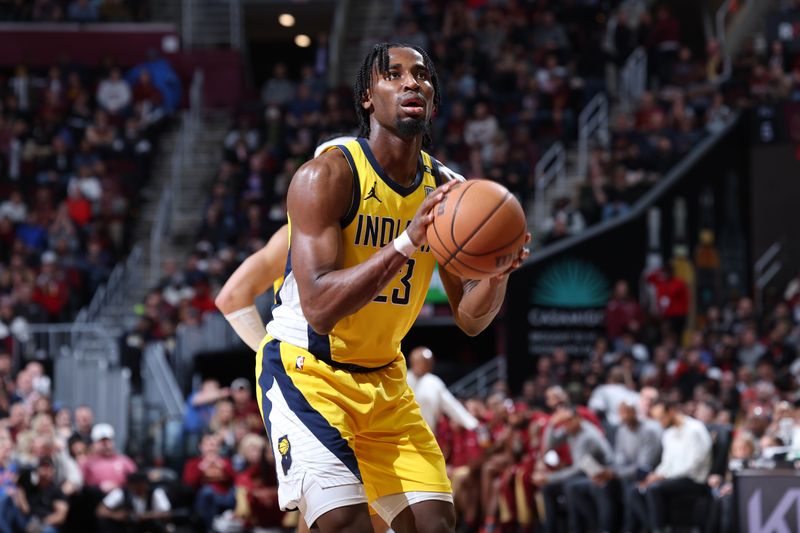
(446, 173)
(327, 169)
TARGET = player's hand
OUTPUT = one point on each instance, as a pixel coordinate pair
(524, 252)
(418, 229)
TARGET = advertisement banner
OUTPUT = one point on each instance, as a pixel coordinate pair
(768, 500)
(567, 307)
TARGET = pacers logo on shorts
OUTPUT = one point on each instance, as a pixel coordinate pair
(285, 449)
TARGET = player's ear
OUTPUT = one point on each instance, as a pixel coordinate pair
(366, 102)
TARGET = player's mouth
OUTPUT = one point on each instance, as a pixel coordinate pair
(413, 105)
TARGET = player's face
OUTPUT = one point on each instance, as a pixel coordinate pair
(401, 99)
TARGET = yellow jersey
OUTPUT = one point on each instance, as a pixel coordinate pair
(381, 209)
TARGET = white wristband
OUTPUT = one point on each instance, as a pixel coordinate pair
(404, 245)
(247, 323)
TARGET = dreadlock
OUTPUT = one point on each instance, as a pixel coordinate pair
(377, 60)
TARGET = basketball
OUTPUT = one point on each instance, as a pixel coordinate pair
(478, 229)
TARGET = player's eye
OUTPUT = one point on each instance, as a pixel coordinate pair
(422, 75)
(392, 75)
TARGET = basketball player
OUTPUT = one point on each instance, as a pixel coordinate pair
(332, 381)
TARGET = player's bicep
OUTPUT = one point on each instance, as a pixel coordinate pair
(317, 200)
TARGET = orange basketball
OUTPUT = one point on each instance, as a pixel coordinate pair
(478, 229)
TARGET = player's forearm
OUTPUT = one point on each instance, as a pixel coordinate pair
(339, 293)
(241, 289)
(480, 304)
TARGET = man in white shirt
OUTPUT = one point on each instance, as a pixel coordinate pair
(685, 462)
(607, 398)
(432, 394)
(114, 94)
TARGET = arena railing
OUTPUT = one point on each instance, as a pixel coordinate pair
(550, 173)
(170, 196)
(633, 79)
(97, 383)
(592, 122)
(479, 382)
(203, 23)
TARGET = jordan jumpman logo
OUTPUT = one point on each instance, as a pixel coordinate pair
(371, 194)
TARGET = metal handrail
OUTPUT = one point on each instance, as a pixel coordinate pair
(721, 31)
(633, 79)
(336, 41)
(593, 120)
(170, 198)
(480, 381)
(53, 336)
(551, 166)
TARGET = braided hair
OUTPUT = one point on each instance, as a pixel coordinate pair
(377, 60)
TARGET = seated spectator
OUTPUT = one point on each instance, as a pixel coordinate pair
(40, 501)
(257, 486)
(14, 209)
(211, 475)
(200, 406)
(245, 406)
(590, 452)
(637, 450)
(606, 399)
(683, 469)
(84, 422)
(134, 508)
(106, 469)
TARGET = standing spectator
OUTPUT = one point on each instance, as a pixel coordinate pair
(623, 313)
(105, 468)
(684, 467)
(211, 475)
(431, 393)
(114, 94)
(278, 90)
(589, 450)
(480, 132)
(672, 298)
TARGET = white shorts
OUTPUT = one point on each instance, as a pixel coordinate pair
(316, 501)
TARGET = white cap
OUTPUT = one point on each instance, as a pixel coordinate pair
(102, 431)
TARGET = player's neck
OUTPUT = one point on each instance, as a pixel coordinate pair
(397, 156)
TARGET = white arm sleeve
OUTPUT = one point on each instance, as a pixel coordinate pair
(453, 409)
(114, 499)
(246, 322)
(160, 501)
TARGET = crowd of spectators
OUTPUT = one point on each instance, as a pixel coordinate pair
(75, 150)
(61, 471)
(645, 430)
(73, 10)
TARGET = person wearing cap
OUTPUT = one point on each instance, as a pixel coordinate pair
(431, 393)
(245, 407)
(40, 500)
(105, 468)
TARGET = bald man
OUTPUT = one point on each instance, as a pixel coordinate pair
(431, 393)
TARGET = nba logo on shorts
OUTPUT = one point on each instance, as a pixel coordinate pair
(301, 360)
